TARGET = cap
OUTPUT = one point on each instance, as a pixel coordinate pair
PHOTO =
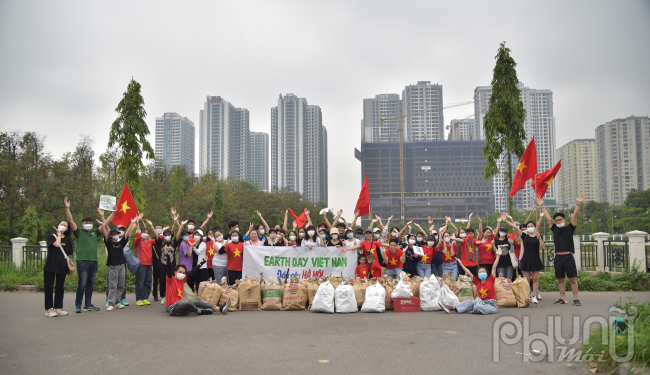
(431, 237)
(184, 232)
(120, 227)
(113, 232)
(199, 231)
(376, 230)
(359, 230)
(434, 232)
(503, 229)
(334, 231)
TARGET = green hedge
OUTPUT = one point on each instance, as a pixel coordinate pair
(605, 281)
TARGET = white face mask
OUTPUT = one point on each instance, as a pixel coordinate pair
(116, 238)
(447, 239)
(302, 234)
(88, 226)
(62, 228)
(503, 234)
(430, 243)
(335, 236)
(180, 276)
(220, 238)
(235, 239)
(419, 239)
(395, 234)
(197, 238)
(561, 225)
(272, 235)
(530, 230)
(168, 238)
(190, 227)
(138, 231)
(463, 235)
(310, 233)
(236, 229)
(292, 238)
(261, 232)
(159, 230)
(376, 235)
(144, 236)
(412, 241)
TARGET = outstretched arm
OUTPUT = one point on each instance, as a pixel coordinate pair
(286, 217)
(574, 218)
(308, 218)
(496, 261)
(103, 229)
(68, 215)
(354, 222)
(540, 202)
(266, 226)
(209, 216)
(480, 227)
(512, 225)
(469, 220)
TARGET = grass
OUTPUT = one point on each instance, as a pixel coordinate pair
(604, 281)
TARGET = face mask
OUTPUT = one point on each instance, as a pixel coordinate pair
(236, 229)
(292, 238)
(273, 235)
(145, 236)
(197, 238)
(463, 235)
(190, 227)
(503, 234)
(447, 239)
(116, 238)
(436, 237)
(88, 226)
(334, 236)
(482, 275)
(359, 236)
(395, 234)
(62, 228)
(235, 239)
(376, 235)
(220, 238)
(302, 234)
(186, 238)
(168, 238)
(121, 234)
(561, 225)
(430, 243)
(180, 276)
(138, 231)
(159, 230)
(412, 241)
(261, 232)
(323, 236)
(349, 235)
(530, 230)
(310, 233)
(419, 239)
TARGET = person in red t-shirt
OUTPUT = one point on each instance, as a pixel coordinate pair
(394, 258)
(176, 279)
(144, 250)
(209, 250)
(484, 246)
(448, 249)
(375, 267)
(363, 270)
(235, 251)
(486, 302)
(424, 261)
(467, 252)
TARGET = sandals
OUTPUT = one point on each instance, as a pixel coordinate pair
(560, 302)
(576, 302)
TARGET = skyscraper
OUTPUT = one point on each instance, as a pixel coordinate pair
(299, 148)
(175, 141)
(259, 159)
(461, 130)
(426, 100)
(223, 141)
(579, 172)
(381, 106)
(623, 148)
(539, 122)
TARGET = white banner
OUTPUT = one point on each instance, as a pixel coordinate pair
(273, 262)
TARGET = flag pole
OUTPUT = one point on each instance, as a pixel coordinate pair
(535, 196)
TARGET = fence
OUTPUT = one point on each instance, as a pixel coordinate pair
(617, 255)
(6, 255)
(647, 257)
(589, 255)
(34, 256)
(548, 256)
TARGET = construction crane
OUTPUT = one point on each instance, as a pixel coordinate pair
(400, 128)
(455, 123)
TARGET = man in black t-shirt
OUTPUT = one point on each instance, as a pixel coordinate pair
(564, 263)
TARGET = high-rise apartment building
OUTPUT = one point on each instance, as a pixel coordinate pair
(299, 148)
(382, 106)
(259, 160)
(426, 100)
(623, 148)
(223, 140)
(461, 130)
(175, 141)
(579, 172)
(539, 122)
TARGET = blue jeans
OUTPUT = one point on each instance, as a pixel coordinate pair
(394, 273)
(450, 269)
(424, 269)
(470, 307)
(86, 270)
(219, 273)
(436, 269)
(505, 271)
(142, 283)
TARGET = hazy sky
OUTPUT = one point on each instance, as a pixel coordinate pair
(65, 65)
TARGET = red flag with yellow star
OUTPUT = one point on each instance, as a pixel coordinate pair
(526, 169)
(126, 208)
(544, 179)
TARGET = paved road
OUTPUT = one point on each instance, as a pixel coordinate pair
(146, 340)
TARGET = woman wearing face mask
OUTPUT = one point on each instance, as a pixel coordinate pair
(486, 302)
(235, 251)
(184, 251)
(311, 240)
(335, 240)
(467, 253)
(449, 249)
(530, 262)
(273, 239)
(220, 260)
(167, 245)
(115, 261)
(410, 262)
(56, 268)
(302, 233)
(176, 278)
(259, 232)
(200, 250)
(436, 261)
(504, 267)
(424, 261)
(350, 239)
(144, 245)
(484, 246)
(293, 239)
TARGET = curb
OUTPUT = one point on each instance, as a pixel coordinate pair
(23, 288)
(624, 369)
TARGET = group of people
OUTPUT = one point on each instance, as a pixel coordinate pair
(185, 254)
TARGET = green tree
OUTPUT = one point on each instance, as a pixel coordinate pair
(504, 120)
(129, 132)
(30, 226)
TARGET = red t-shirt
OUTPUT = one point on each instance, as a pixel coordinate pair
(370, 247)
(485, 291)
(209, 251)
(375, 268)
(393, 260)
(449, 257)
(517, 244)
(428, 254)
(235, 253)
(467, 252)
(486, 254)
(144, 249)
(363, 271)
(174, 290)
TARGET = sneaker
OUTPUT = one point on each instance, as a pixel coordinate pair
(539, 296)
(51, 313)
(205, 311)
(163, 301)
(155, 298)
(124, 303)
(444, 307)
(110, 308)
(146, 302)
(91, 307)
(533, 299)
(139, 303)
(77, 309)
(225, 307)
(119, 306)
(61, 312)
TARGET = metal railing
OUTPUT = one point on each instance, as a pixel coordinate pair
(617, 255)
(548, 256)
(34, 256)
(588, 254)
(647, 257)
(6, 254)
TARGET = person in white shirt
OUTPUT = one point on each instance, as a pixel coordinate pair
(219, 261)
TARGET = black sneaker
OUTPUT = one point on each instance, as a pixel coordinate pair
(155, 298)
(206, 311)
(225, 307)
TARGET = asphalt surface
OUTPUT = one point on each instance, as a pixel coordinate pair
(146, 340)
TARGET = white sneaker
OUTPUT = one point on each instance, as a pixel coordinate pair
(51, 313)
(539, 296)
(533, 300)
(119, 306)
(163, 301)
(61, 312)
(110, 308)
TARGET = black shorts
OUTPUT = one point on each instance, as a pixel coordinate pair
(565, 264)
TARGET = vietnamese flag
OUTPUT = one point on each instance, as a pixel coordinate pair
(126, 208)
(526, 169)
(300, 220)
(363, 203)
(544, 179)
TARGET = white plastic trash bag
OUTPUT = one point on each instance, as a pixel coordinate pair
(344, 299)
(375, 299)
(430, 294)
(402, 290)
(447, 296)
(324, 299)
